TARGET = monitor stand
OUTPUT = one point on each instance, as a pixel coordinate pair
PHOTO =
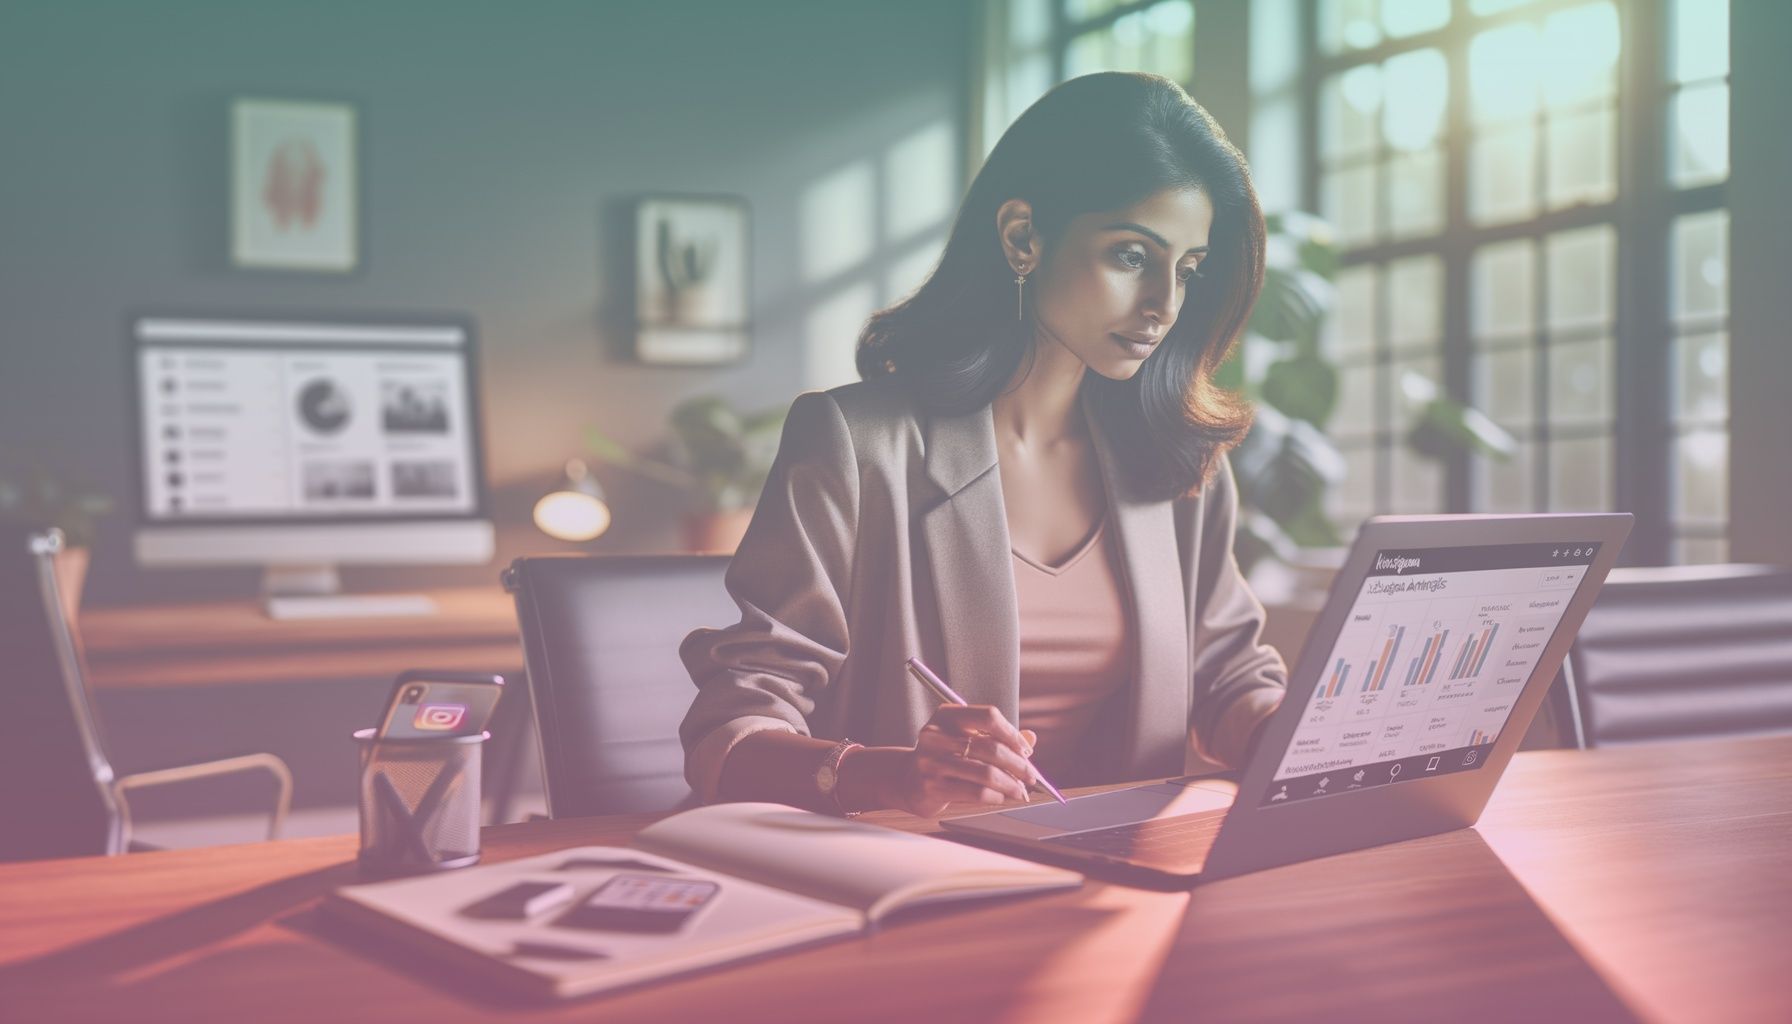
(315, 592)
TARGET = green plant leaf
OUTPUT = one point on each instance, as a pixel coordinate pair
(1445, 426)
(1305, 387)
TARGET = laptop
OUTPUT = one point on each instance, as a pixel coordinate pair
(1436, 645)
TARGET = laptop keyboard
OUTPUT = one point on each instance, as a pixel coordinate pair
(1180, 840)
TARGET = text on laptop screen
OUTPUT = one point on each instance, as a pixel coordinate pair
(1428, 665)
(254, 421)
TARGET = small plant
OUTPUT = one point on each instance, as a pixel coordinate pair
(1287, 462)
(720, 454)
(39, 498)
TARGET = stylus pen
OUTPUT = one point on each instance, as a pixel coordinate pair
(945, 693)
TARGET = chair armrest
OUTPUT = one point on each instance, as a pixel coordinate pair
(207, 769)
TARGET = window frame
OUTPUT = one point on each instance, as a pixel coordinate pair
(1643, 429)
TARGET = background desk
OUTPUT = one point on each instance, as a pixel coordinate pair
(1599, 885)
(296, 688)
(234, 642)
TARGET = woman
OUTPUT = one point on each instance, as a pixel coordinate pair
(1027, 491)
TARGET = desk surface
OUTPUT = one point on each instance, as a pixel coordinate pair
(226, 642)
(1642, 882)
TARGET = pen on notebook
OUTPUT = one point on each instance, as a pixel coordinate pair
(945, 693)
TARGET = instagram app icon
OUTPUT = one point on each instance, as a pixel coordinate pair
(439, 717)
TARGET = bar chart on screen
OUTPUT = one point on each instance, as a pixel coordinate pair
(1427, 663)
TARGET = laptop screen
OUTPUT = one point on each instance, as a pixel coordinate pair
(1428, 665)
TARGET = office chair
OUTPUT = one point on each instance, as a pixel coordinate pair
(1682, 652)
(60, 796)
(600, 640)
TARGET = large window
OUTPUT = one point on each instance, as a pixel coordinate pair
(1030, 45)
(1529, 194)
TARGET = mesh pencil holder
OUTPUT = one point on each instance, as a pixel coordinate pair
(419, 803)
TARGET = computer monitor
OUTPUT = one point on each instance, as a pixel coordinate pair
(300, 445)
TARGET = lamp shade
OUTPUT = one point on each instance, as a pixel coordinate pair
(576, 510)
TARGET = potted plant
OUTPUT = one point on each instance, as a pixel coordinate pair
(38, 498)
(1287, 462)
(720, 455)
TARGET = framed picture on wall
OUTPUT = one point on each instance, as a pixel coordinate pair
(293, 186)
(691, 292)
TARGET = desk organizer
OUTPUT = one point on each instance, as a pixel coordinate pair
(419, 803)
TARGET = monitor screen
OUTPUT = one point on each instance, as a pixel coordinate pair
(258, 421)
(1431, 659)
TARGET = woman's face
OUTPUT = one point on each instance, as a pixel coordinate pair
(1113, 284)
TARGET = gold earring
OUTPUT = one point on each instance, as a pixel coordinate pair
(1020, 294)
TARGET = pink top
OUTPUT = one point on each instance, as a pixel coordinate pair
(1073, 650)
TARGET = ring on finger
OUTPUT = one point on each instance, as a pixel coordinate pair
(966, 752)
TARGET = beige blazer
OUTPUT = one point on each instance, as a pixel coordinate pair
(881, 534)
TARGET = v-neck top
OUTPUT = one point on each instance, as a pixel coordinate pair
(1074, 651)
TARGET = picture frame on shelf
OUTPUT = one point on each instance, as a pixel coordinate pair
(294, 186)
(691, 280)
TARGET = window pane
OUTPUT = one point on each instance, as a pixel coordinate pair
(1089, 52)
(1701, 550)
(1507, 485)
(1410, 17)
(1348, 106)
(1702, 378)
(1417, 482)
(1347, 199)
(1416, 194)
(1159, 39)
(1029, 23)
(1347, 25)
(1503, 293)
(1494, 6)
(1502, 175)
(1355, 415)
(1581, 167)
(1700, 39)
(1415, 300)
(1698, 266)
(1699, 135)
(1350, 330)
(1579, 265)
(1504, 64)
(1028, 79)
(1580, 48)
(1580, 473)
(1505, 386)
(1169, 39)
(1415, 90)
(1702, 476)
(1580, 381)
(1082, 10)
(1353, 499)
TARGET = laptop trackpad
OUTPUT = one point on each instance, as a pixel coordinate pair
(1122, 807)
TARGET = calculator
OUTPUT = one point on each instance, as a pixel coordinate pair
(640, 903)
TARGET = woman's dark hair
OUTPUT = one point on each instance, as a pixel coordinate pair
(1095, 143)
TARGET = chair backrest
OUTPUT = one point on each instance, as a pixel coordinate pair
(1685, 652)
(600, 639)
(56, 796)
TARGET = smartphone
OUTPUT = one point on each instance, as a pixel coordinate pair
(427, 704)
(521, 901)
(640, 903)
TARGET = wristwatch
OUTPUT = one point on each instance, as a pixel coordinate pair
(827, 776)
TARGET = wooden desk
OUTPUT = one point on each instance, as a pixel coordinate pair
(226, 642)
(1641, 882)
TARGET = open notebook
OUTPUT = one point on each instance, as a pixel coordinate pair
(785, 878)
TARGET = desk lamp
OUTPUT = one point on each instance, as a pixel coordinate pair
(576, 510)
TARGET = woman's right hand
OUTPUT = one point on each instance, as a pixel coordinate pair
(964, 753)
